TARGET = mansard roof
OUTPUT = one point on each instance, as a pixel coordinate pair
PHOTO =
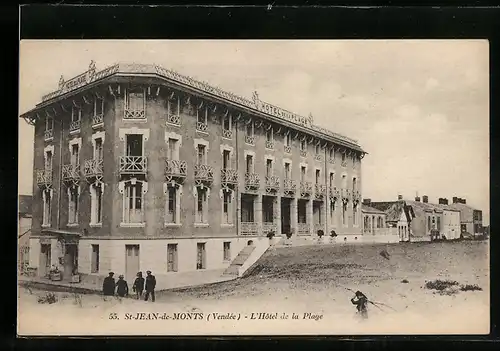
(256, 106)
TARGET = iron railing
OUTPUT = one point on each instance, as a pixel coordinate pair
(133, 165)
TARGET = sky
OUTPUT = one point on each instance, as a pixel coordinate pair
(419, 108)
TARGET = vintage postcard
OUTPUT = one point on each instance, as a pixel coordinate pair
(279, 187)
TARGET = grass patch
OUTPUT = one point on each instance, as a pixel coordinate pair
(440, 285)
(469, 287)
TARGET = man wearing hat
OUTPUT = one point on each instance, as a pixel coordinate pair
(121, 287)
(108, 285)
(150, 286)
(138, 286)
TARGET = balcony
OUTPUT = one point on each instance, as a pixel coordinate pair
(319, 191)
(74, 126)
(303, 153)
(174, 119)
(227, 133)
(303, 229)
(289, 187)
(288, 149)
(202, 127)
(71, 173)
(175, 170)
(249, 228)
(344, 163)
(318, 157)
(252, 181)
(134, 114)
(334, 194)
(229, 177)
(48, 135)
(272, 184)
(331, 160)
(133, 165)
(44, 178)
(268, 227)
(203, 175)
(250, 139)
(93, 170)
(270, 144)
(356, 196)
(97, 120)
(305, 189)
(346, 195)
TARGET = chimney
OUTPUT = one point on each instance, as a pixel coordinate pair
(425, 199)
(417, 198)
(462, 201)
(455, 200)
(400, 197)
(367, 202)
(443, 201)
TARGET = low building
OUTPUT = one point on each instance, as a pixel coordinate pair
(451, 220)
(374, 221)
(398, 215)
(471, 219)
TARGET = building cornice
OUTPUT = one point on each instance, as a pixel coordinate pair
(256, 106)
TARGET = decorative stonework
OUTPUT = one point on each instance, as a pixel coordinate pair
(133, 130)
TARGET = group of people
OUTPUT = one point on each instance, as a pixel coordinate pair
(109, 286)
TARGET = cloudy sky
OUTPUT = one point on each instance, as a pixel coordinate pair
(419, 108)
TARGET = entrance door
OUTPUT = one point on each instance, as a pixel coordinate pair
(131, 262)
(285, 216)
(201, 256)
(44, 259)
(70, 260)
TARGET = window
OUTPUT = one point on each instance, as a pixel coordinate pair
(302, 173)
(226, 123)
(49, 123)
(269, 139)
(75, 154)
(287, 170)
(96, 203)
(95, 259)
(201, 206)
(249, 164)
(343, 157)
(226, 159)
(332, 181)
(247, 208)
(171, 215)
(172, 151)
(249, 129)
(318, 176)
(227, 213)
(98, 151)
(429, 223)
(73, 205)
(354, 184)
(269, 167)
(200, 256)
(48, 160)
(202, 120)
(174, 107)
(201, 154)
(76, 114)
(47, 202)
(303, 145)
(333, 213)
(438, 223)
(98, 106)
(268, 209)
(344, 181)
(353, 160)
(302, 211)
(227, 251)
(318, 150)
(344, 214)
(172, 258)
(288, 140)
(135, 99)
(355, 214)
(134, 145)
(332, 153)
(133, 202)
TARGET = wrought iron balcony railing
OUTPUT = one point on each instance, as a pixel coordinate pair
(71, 172)
(74, 126)
(305, 189)
(331, 160)
(229, 176)
(134, 113)
(320, 191)
(288, 149)
(318, 157)
(303, 153)
(250, 228)
(272, 183)
(93, 168)
(48, 134)
(303, 228)
(227, 133)
(250, 139)
(346, 194)
(175, 170)
(269, 144)
(97, 120)
(334, 194)
(174, 119)
(252, 181)
(133, 165)
(356, 196)
(44, 177)
(289, 187)
(344, 163)
(202, 127)
(203, 175)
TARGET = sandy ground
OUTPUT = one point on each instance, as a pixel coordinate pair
(297, 281)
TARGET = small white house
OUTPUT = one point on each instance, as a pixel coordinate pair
(451, 222)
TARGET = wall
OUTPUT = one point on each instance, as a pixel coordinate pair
(451, 224)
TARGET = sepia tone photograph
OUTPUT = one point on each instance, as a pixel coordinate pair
(253, 187)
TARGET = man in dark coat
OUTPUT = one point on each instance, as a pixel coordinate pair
(361, 302)
(108, 286)
(150, 286)
(138, 286)
(121, 287)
